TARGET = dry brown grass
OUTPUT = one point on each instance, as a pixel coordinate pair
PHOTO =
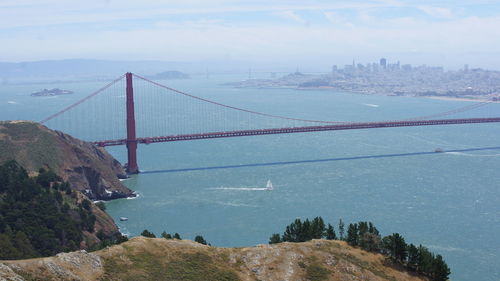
(160, 259)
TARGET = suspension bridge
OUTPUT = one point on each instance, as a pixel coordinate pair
(162, 114)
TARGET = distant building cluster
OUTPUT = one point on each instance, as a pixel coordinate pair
(383, 66)
(423, 80)
(386, 78)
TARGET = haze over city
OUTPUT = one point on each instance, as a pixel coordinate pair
(261, 34)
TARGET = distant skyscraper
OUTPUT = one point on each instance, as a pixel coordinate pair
(466, 67)
(334, 68)
(383, 63)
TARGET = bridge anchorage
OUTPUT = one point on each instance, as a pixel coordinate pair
(214, 120)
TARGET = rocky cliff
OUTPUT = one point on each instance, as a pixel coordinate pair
(160, 259)
(89, 169)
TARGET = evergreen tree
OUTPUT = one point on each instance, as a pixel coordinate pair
(305, 232)
(362, 228)
(440, 270)
(425, 258)
(395, 246)
(370, 242)
(341, 229)
(293, 232)
(177, 236)
(352, 234)
(330, 233)
(274, 239)
(166, 235)
(22, 243)
(200, 240)
(147, 233)
(372, 229)
(317, 229)
(413, 257)
(7, 250)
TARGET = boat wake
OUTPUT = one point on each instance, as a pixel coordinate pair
(371, 105)
(472, 155)
(269, 187)
(240, 188)
(233, 204)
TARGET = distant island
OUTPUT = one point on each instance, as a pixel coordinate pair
(169, 75)
(51, 92)
(393, 79)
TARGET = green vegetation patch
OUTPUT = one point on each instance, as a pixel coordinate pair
(21, 130)
(34, 220)
(29, 145)
(197, 266)
(315, 271)
(186, 266)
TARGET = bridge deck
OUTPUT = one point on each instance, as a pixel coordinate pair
(335, 127)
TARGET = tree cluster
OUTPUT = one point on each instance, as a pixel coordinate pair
(366, 236)
(107, 241)
(164, 234)
(418, 259)
(301, 231)
(35, 214)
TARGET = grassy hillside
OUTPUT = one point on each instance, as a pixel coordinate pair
(160, 259)
(42, 151)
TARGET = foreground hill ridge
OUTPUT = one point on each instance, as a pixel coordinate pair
(160, 259)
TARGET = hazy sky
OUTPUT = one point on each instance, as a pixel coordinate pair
(448, 33)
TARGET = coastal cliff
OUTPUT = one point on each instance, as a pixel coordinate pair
(160, 259)
(89, 169)
(91, 172)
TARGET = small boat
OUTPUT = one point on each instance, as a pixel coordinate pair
(269, 185)
(438, 150)
(123, 219)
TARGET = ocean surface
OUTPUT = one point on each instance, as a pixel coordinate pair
(449, 202)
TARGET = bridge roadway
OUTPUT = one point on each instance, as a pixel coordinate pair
(335, 127)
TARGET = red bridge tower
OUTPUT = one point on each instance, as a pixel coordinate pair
(132, 167)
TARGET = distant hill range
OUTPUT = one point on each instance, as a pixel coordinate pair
(92, 69)
(169, 75)
(82, 69)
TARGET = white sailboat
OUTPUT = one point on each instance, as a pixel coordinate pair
(269, 185)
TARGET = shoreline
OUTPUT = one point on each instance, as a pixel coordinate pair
(480, 99)
(444, 98)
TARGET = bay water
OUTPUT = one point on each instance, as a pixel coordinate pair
(449, 202)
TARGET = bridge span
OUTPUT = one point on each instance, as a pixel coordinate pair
(338, 127)
(167, 130)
